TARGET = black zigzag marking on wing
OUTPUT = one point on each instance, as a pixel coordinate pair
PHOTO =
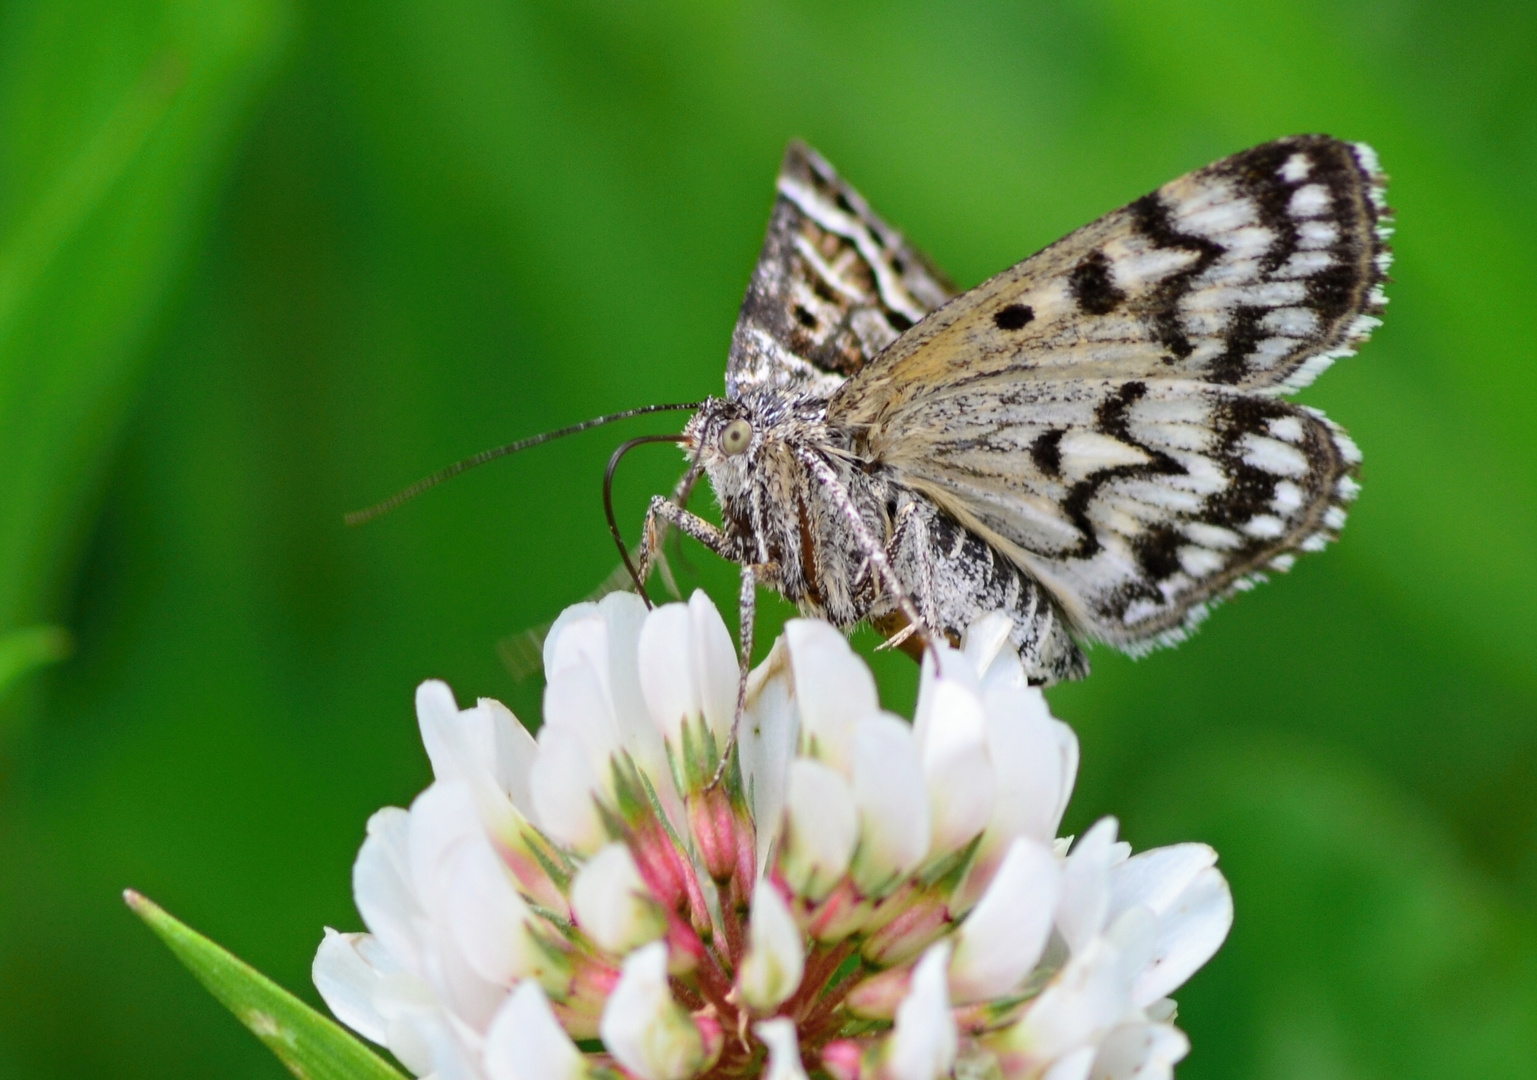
(1249, 493)
(1151, 217)
(1110, 419)
(1336, 294)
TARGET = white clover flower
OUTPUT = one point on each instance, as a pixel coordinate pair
(856, 897)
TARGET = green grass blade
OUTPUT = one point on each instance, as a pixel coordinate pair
(312, 1046)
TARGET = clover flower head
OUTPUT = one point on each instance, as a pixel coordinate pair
(852, 896)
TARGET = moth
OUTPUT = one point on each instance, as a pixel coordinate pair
(1095, 441)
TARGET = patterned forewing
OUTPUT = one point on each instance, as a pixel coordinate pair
(834, 286)
(1254, 272)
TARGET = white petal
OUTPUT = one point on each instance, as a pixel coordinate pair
(576, 702)
(957, 671)
(1189, 934)
(822, 827)
(466, 996)
(466, 746)
(1085, 905)
(442, 818)
(612, 904)
(776, 955)
(986, 641)
(1036, 758)
(557, 649)
(1073, 1066)
(833, 689)
(626, 615)
(714, 662)
(564, 789)
(1157, 877)
(414, 1020)
(770, 731)
(437, 716)
(645, 1030)
(784, 1049)
(526, 1042)
(489, 920)
(893, 824)
(1085, 1000)
(1140, 1052)
(347, 982)
(1001, 940)
(666, 679)
(923, 1040)
(956, 766)
(381, 886)
(688, 669)
(515, 751)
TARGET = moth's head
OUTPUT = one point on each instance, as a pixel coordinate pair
(724, 437)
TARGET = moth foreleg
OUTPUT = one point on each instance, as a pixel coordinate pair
(664, 513)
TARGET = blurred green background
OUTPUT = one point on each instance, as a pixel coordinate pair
(264, 262)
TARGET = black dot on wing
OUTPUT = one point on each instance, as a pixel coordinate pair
(843, 203)
(805, 318)
(1046, 452)
(1013, 317)
(1091, 285)
(898, 321)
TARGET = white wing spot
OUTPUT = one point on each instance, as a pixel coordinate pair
(1317, 542)
(1334, 518)
(1317, 234)
(1287, 499)
(1347, 447)
(1212, 536)
(1273, 456)
(1264, 527)
(1086, 452)
(1292, 321)
(1198, 561)
(1304, 264)
(1135, 271)
(1308, 201)
(1283, 563)
(1296, 168)
(1347, 489)
(1288, 428)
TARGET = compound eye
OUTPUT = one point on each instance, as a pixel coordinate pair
(735, 437)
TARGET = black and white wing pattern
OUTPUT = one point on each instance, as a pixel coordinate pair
(1106, 413)
(833, 287)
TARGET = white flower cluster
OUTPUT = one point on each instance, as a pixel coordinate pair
(854, 896)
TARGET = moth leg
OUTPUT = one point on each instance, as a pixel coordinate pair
(872, 550)
(747, 609)
(665, 513)
(679, 497)
(910, 547)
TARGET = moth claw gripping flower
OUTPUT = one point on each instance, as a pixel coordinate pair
(858, 898)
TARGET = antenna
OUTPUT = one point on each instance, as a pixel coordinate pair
(359, 517)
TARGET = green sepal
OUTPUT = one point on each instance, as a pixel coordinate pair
(312, 1046)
